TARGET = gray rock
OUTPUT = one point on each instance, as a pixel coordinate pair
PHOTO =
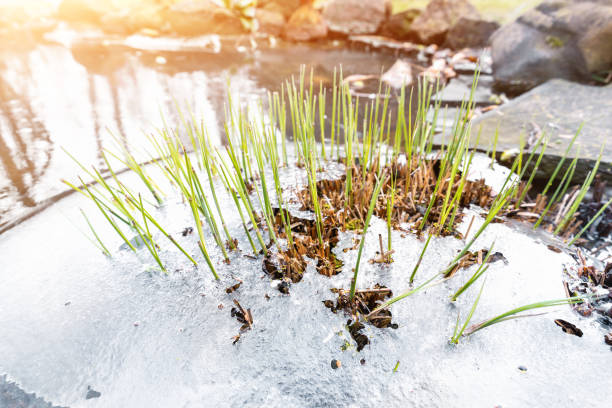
(470, 32)
(566, 39)
(305, 24)
(399, 25)
(399, 75)
(459, 88)
(439, 16)
(558, 108)
(355, 16)
(378, 42)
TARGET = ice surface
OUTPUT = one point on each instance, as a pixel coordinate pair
(71, 318)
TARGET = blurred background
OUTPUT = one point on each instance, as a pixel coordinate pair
(85, 74)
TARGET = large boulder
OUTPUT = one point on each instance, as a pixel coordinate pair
(199, 17)
(556, 109)
(305, 24)
(558, 39)
(470, 32)
(355, 16)
(439, 16)
(269, 22)
(399, 25)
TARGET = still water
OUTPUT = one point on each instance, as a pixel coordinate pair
(84, 93)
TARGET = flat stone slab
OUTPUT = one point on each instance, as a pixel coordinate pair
(557, 108)
(459, 88)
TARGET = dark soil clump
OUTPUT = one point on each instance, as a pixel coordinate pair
(364, 303)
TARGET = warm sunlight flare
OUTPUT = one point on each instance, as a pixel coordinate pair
(305, 203)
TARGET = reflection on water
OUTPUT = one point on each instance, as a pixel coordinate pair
(88, 96)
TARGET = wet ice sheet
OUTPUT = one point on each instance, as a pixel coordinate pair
(71, 318)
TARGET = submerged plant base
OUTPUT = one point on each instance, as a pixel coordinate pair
(361, 305)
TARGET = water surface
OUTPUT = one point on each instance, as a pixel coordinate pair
(84, 92)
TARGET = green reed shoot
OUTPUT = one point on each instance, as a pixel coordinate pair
(501, 201)
(373, 201)
(390, 205)
(553, 176)
(99, 244)
(264, 197)
(587, 226)
(459, 331)
(479, 272)
(416, 267)
(533, 173)
(208, 164)
(240, 186)
(514, 313)
(432, 281)
(147, 238)
(582, 192)
(108, 218)
(201, 242)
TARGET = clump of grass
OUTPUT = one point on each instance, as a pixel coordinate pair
(390, 171)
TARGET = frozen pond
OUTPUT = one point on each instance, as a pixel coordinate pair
(72, 319)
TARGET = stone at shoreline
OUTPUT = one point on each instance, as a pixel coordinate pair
(459, 88)
(470, 32)
(566, 39)
(399, 75)
(355, 16)
(269, 22)
(378, 42)
(439, 16)
(305, 24)
(556, 108)
(199, 17)
(399, 25)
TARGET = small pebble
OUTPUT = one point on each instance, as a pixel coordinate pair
(220, 306)
(335, 364)
(91, 393)
(522, 368)
(362, 361)
(67, 303)
(283, 287)
(136, 324)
